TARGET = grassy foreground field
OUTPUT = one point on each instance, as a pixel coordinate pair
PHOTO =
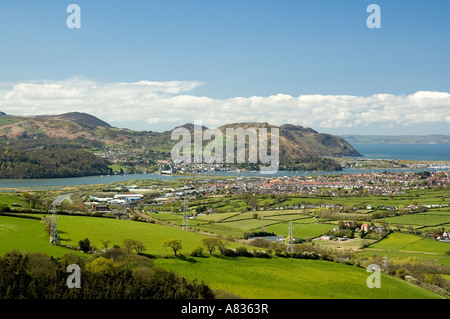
(280, 278)
(241, 276)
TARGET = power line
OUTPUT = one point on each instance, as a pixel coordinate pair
(54, 235)
(185, 223)
(290, 238)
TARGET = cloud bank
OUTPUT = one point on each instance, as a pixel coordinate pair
(172, 103)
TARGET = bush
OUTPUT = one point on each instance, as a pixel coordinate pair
(197, 252)
(261, 254)
(242, 251)
(229, 252)
(262, 243)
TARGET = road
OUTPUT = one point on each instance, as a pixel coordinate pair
(61, 198)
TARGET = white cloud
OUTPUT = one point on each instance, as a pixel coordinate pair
(170, 103)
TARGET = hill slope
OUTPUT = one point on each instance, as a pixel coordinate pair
(300, 148)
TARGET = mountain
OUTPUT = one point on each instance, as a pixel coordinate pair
(299, 142)
(84, 120)
(295, 141)
(300, 148)
(71, 126)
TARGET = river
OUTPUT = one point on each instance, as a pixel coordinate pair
(52, 183)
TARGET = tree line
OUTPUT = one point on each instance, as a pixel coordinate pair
(50, 163)
(113, 274)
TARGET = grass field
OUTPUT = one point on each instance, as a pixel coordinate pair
(431, 218)
(279, 278)
(245, 277)
(12, 200)
(301, 230)
(75, 228)
(401, 245)
(236, 224)
(27, 235)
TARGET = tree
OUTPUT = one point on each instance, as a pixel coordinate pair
(221, 246)
(85, 245)
(174, 244)
(139, 247)
(105, 243)
(101, 265)
(14, 278)
(210, 244)
(130, 244)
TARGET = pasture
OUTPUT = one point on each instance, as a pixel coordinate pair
(401, 245)
(241, 276)
(236, 224)
(26, 235)
(279, 278)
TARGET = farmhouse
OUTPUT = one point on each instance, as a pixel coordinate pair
(100, 207)
(326, 237)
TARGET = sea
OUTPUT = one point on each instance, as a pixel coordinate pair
(416, 152)
(429, 152)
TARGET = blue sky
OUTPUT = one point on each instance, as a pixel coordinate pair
(233, 49)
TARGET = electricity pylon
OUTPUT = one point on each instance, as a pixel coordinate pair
(54, 236)
(290, 238)
(185, 224)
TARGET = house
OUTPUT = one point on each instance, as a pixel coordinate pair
(100, 207)
(348, 224)
(365, 227)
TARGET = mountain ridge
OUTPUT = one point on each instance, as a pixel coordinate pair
(296, 142)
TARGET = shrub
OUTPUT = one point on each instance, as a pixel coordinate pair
(261, 254)
(228, 252)
(197, 252)
(242, 251)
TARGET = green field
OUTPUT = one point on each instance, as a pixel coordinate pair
(410, 242)
(401, 245)
(301, 230)
(26, 235)
(236, 224)
(12, 200)
(245, 277)
(75, 228)
(279, 278)
(431, 218)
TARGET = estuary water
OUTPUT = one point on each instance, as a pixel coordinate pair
(432, 152)
(51, 183)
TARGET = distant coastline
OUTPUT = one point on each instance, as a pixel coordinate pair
(397, 139)
(404, 151)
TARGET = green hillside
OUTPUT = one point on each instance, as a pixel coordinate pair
(279, 278)
(247, 277)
